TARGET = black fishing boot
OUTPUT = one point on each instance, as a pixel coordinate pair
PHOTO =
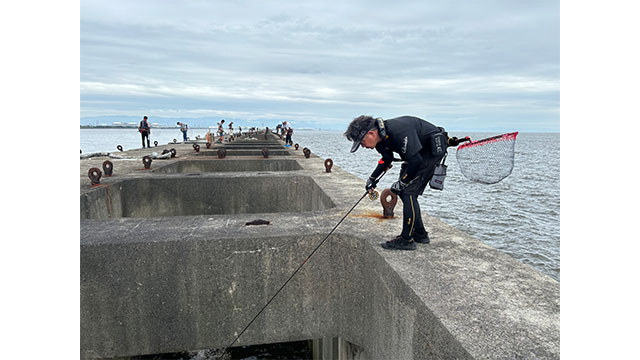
(422, 238)
(399, 243)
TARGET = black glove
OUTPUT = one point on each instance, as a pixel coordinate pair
(371, 184)
(454, 141)
(397, 187)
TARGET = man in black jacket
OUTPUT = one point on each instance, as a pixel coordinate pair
(421, 146)
(145, 130)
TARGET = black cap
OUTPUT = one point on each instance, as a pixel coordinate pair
(358, 139)
(358, 128)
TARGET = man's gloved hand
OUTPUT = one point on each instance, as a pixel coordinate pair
(397, 187)
(454, 141)
(371, 184)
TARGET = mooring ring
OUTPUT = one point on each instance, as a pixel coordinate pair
(107, 166)
(197, 148)
(388, 204)
(94, 175)
(146, 160)
(208, 145)
(173, 152)
(297, 146)
(155, 143)
(307, 153)
(119, 147)
(328, 164)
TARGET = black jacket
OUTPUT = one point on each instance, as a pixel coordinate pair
(408, 136)
(144, 126)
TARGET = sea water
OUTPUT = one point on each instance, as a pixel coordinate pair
(519, 215)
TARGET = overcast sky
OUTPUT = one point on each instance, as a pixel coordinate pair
(467, 65)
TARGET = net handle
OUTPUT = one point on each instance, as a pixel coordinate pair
(508, 136)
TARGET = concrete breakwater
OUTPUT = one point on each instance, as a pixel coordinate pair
(168, 264)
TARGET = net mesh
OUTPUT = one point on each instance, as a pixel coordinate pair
(487, 161)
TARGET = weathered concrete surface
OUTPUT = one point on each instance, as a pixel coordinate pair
(228, 165)
(208, 194)
(233, 152)
(166, 284)
(255, 145)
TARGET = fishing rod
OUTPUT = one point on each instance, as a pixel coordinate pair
(224, 351)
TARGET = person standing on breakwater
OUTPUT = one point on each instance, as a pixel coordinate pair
(220, 131)
(183, 127)
(421, 146)
(288, 140)
(145, 130)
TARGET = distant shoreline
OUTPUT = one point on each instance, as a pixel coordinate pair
(170, 127)
(132, 127)
(488, 131)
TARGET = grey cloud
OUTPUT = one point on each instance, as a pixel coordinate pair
(333, 61)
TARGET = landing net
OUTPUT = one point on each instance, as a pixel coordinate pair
(488, 160)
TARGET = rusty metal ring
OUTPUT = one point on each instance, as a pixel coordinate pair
(208, 145)
(307, 153)
(155, 143)
(297, 146)
(175, 141)
(265, 152)
(94, 175)
(388, 205)
(119, 147)
(146, 160)
(107, 166)
(328, 164)
(196, 148)
(173, 152)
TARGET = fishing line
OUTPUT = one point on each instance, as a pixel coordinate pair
(296, 271)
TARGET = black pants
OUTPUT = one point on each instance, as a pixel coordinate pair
(411, 218)
(145, 135)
